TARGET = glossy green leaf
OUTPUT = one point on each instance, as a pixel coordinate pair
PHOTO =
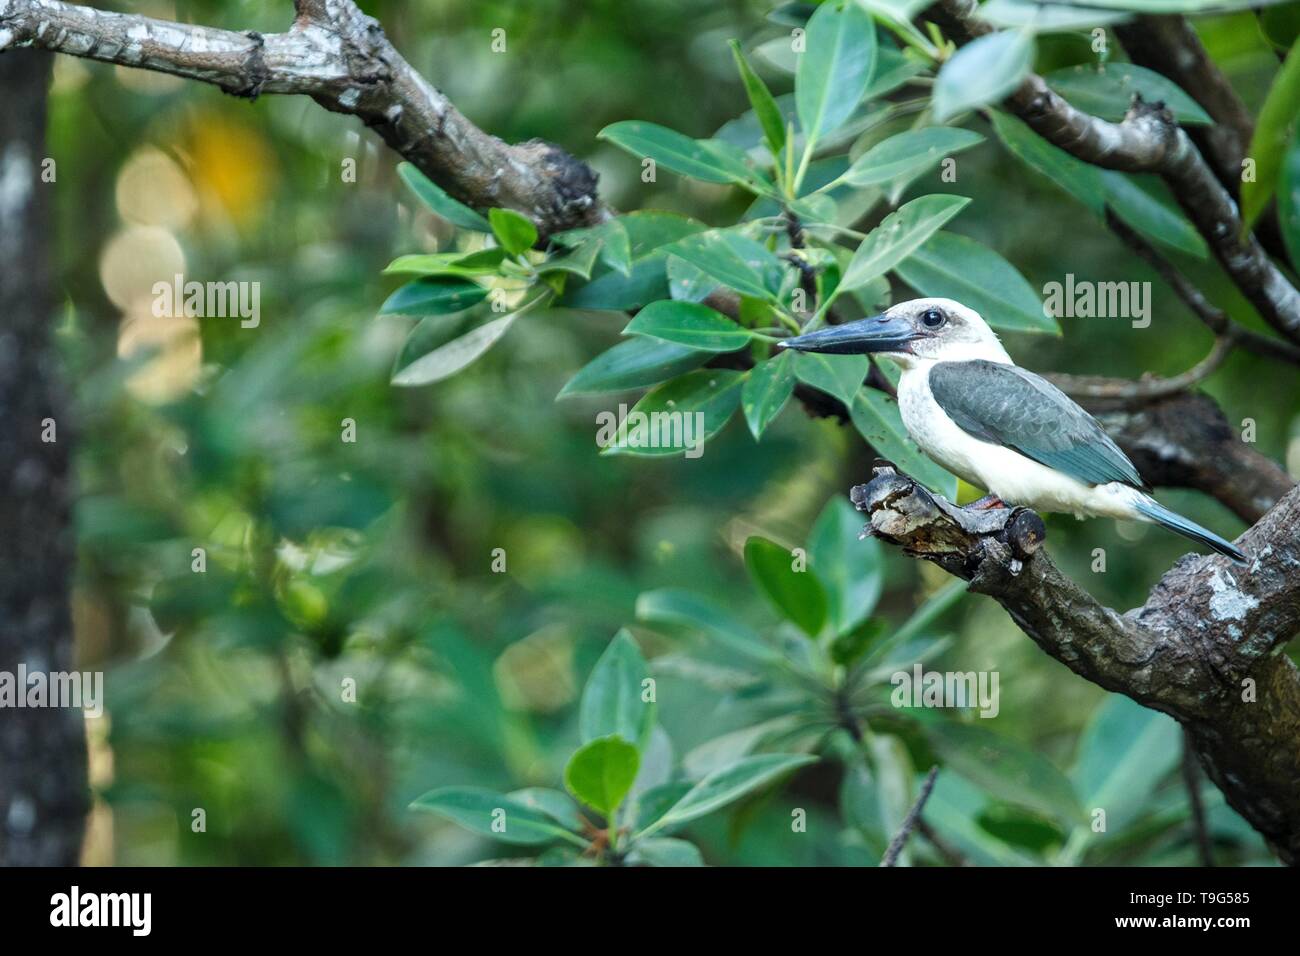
(555, 804)
(1108, 93)
(1272, 134)
(835, 67)
(600, 773)
(698, 159)
(681, 608)
(1125, 751)
(908, 154)
(900, 234)
(433, 296)
(611, 700)
(954, 810)
(690, 324)
(433, 196)
(1288, 199)
(1081, 180)
(666, 851)
(579, 262)
(633, 364)
(982, 72)
(955, 267)
(761, 99)
(486, 262)
(839, 376)
(448, 357)
(1157, 220)
(850, 569)
(679, 415)
(729, 784)
(645, 282)
(733, 259)
(766, 390)
(796, 595)
(515, 232)
(1005, 768)
(494, 815)
(875, 416)
(611, 238)
(1047, 18)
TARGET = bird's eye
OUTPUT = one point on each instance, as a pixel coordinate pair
(933, 318)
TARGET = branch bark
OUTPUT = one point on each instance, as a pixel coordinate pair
(1205, 648)
(1148, 140)
(341, 58)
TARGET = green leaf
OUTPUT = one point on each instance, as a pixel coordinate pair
(1047, 18)
(655, 802)
(764, 104)
(555, 804)
(1156, 220)
(689, 324)
(494, 815)
(514, 231)
(875, 416)
(712, 393)
(707, 160)
(1288, 199)
(418, 365)
(687, 283)
(600, 773)
(733, 259)
(1081, 180)
(839, 376)
(1005, 769)
(954, 809)
(1124, 752)
(851, 570)
(633, 364)
(835, 67)
(644, 283)
(673, 606)
(955, 267)
(1108, 92)
(433, 296)
(1272, 133)
(611, 701)
(982, 72)
(766, 390)
(728, 784)
(908, 154)
(666, 851)
(610, 237)
(456, 213)
(898, 236)
(485, 262)
(796, 595)
(578, 262)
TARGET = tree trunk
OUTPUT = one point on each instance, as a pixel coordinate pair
(43, 795)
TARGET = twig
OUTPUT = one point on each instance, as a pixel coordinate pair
(1191, 780)
(909, 822)
(1147, 388)
(341, 58)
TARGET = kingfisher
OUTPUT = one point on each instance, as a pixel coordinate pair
(1000, 427)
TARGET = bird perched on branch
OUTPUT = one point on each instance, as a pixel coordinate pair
(998, 426)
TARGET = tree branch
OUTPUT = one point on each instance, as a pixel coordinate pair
(341, 58)
(1203, 649)
(1148, 140)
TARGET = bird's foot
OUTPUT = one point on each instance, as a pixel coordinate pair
(988, 503)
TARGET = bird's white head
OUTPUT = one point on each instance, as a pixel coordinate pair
(916, 332)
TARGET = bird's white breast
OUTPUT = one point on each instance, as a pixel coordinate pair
(1011, 476)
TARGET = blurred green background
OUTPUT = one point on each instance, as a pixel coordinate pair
(371, 560)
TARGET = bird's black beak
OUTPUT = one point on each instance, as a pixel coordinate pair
(880, 333)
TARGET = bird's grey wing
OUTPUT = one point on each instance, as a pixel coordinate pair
(1009, 406)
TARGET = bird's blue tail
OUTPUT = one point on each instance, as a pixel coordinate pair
(1190, 529)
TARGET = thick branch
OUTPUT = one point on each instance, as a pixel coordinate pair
(1148, 140)
(340, 57)
(1204, 648)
